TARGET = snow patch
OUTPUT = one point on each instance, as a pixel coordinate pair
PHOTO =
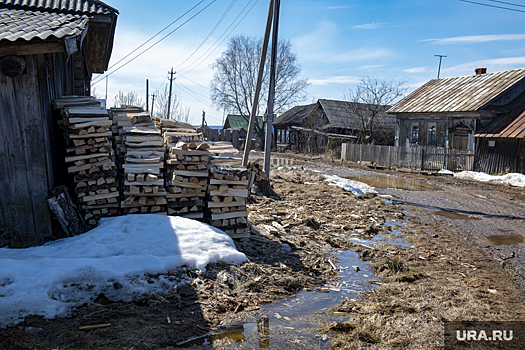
(513, 179)
(356, 187)
(114, 258)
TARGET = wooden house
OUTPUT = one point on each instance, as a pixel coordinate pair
(48, 49)
(448, 112)
(327, 119)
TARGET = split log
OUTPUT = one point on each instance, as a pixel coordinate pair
(66, 212)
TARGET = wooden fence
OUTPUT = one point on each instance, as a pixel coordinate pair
(230, 135)
(417, 158)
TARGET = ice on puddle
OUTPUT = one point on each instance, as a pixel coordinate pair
(113, 259)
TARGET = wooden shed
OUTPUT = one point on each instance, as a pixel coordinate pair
(48, 49)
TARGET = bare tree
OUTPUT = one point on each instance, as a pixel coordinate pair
(177, 111)
(369, 101)
(235, 77)
(129, 99)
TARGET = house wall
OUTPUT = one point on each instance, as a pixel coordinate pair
(500, 155)
(31, 146)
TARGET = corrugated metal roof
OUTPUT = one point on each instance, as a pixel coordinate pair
(238, 121)
(77, 6)
(458, 94)
(27, 25)
(509, 127)
(294, 115)
(340, 115)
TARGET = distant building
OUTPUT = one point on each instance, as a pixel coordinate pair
(239, 122)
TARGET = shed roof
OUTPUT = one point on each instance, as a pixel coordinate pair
(294, 115)
(458, 94)
(238, 121)
(340, 115)
(28, 25)
(509, 127)
(71, 6)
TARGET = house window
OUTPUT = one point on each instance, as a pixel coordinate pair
(492, 143)
(415, 134)
(431, 134)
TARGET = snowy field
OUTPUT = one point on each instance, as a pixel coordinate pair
(113, 259)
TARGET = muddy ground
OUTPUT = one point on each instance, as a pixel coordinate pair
(450, 271)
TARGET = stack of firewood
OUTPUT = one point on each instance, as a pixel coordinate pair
(90, 157)
(142, 156)
(187, 179)
(228, 191)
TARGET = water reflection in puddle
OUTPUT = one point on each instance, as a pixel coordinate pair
(505, 239)
(452, 215)
(293, 323)
(385, 181)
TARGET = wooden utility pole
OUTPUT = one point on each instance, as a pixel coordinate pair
(147, 94)
(262, 61)
(152, 102)
(171, 78)
(271, 93)
(203, 120)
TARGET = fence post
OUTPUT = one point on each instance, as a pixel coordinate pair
(422, 159)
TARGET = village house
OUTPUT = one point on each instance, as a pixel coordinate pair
(450, 112)
(48, 49)
(328, 119)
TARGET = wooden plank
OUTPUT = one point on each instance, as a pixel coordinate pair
(75, 169)
(143, 166)
(235, 214)
(143, 160)
(159, 182)
(94, 135)
(31, 49)
(100, 196)
(228, 182)
(174, 150)
(144, 144)
(87, 156)
(226, 205)
(75, 111)
(85, 120)
(103, 123)
(191, 173)
(231, 193)
(143, 138)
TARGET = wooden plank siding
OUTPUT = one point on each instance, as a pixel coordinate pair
(504, 157)
(29, 145)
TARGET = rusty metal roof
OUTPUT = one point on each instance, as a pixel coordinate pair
(94, 7)
(509, 127)
(458, 94)
(28, 25)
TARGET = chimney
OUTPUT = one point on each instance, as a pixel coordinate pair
(481, 71)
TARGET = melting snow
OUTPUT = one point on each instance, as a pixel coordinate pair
(513, 179)
(113, 259)
(356, 187)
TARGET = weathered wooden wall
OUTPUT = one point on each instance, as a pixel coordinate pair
(30, 144)
(505, 157)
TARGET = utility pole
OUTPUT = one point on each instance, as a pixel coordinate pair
(262, 61)
(440, 57)
(147, 94)
(271, 93)
(171, 78)
(152, 102)
(203, 120)
(106, 91)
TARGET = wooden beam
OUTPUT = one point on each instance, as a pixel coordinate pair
(31, 49)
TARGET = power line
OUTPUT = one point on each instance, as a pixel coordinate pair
(173, 31)
(508, 3)
(192, 94)
(147, 41)
(197, 62)
(212, 31)
(499, 7)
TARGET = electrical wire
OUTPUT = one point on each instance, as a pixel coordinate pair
(508, 3)
(173, 31)
(199, 61)
(211, 32)
(147, 41)
(192, 94)
(499, 7)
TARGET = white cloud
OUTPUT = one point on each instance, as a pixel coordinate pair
(340, 79)
(371, 66)
(493, 65)
(473, 39)
(336, 7)
(373, 25)
(415, 70)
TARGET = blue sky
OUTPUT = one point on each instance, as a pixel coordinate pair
(336, 43)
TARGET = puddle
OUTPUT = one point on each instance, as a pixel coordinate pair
(452, 215)
(292, 323)
(385, 181)
(505, 239)
(391, 238)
